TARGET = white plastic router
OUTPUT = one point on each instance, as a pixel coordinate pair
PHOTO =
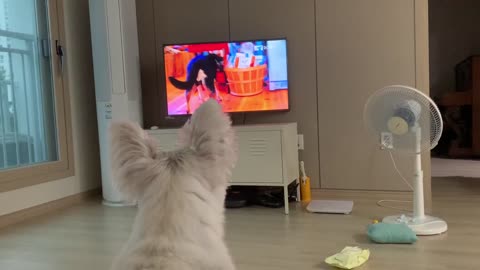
(117, 76)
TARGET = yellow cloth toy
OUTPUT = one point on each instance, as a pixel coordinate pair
(349, 258)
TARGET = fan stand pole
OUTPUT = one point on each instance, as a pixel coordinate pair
(418, 197)
(418, 221)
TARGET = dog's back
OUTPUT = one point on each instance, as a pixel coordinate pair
(208, 64)
(180, 194)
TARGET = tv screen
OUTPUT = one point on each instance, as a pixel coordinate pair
(243, 76)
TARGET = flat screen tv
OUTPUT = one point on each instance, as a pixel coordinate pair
(244, 76)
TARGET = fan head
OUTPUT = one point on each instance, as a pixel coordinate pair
(400, 111)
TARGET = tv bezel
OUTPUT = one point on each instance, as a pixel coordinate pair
(168, 115)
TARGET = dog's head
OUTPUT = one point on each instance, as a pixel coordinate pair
(207, 151)
(210, 135)
(218, 60)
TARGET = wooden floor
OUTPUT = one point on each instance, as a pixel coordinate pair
(87, 236)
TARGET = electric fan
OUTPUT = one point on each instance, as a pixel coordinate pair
(409, 122)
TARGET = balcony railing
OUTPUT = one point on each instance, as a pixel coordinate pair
(22, 121)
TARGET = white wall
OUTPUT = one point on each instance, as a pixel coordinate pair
(84, 123)
(374, 48)
(339, 52)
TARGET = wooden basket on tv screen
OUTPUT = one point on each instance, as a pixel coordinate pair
(246, 81)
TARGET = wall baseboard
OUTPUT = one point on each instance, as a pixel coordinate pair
(46, 208)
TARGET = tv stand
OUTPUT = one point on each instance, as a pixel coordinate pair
(267, 156)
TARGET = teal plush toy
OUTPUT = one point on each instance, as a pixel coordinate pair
(384, 233)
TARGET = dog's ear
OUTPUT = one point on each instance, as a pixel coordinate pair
(210, 135)
(133, 159)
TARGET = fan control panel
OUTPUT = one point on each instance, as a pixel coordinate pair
(386, 140)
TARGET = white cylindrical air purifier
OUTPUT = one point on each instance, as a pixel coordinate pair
(117, 77)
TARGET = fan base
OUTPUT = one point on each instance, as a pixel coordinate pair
(425, 226)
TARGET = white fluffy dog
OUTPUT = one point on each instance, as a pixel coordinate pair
(180, 194)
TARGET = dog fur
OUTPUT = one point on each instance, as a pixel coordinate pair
(180, 194)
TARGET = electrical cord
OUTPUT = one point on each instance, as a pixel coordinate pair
(380, 203)
(398, 171)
